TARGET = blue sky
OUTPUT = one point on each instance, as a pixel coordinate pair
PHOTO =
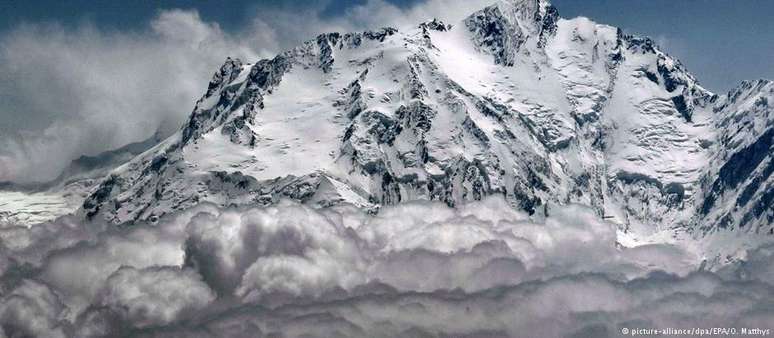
(722, 42)
(80, 77)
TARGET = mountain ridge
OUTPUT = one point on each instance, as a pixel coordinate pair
(512, 100)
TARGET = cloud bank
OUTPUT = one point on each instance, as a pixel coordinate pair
(84, 91)
(78, 91)
(421, 270)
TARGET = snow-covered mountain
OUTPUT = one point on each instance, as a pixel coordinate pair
(513, 100)
(30, 204)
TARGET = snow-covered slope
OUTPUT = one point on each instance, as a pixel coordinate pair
(738, 186)
(35, 203)
(513, 100)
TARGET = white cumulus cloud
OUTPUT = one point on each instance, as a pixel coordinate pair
(416, 269)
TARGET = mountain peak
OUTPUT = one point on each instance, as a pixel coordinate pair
(501, 29)
(525, 7)
(510, 101)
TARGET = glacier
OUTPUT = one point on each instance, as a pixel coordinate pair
(513, 100)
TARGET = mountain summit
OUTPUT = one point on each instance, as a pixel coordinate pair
(512, 100)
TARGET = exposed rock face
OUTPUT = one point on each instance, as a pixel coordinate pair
(511, 101)
(738, 186)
